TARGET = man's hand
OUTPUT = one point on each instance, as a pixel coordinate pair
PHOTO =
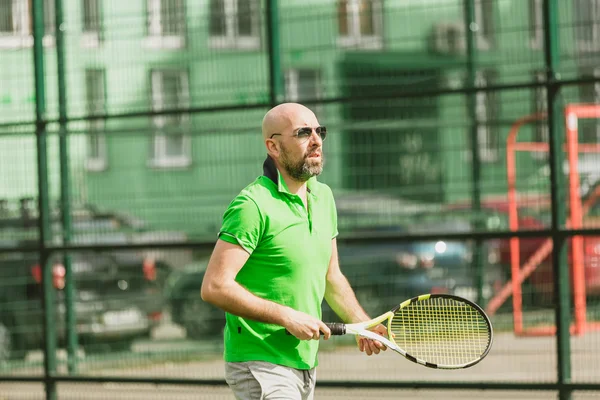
(371, 346)
(305, 327)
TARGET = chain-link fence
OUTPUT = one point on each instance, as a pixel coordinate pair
(126, 128)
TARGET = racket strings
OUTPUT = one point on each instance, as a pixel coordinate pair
(441, 331)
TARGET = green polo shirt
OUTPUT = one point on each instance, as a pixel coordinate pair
(290, 250)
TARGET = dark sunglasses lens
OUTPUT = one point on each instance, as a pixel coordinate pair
(322, 131)
(304, 133)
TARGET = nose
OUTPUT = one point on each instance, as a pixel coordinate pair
(315, 137)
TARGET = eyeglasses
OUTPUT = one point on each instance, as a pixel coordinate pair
(302, 134)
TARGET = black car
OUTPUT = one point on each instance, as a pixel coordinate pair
(116, 301)
(201, 320)
(384, 272)
(117, 296)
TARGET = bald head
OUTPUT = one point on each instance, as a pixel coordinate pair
(287, 116)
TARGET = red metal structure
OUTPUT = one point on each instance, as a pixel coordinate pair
(576, 211)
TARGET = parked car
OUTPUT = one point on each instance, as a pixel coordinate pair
(117, 296)
(182, 293)
(116, 300)
(384, 273)
(387, 272)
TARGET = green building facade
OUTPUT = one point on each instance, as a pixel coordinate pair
(181, 88)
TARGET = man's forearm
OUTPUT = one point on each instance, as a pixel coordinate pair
(235, 299)
(342, 300)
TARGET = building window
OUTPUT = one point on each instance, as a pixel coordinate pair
(14, 19)
(166, 24)
(302, 85)
(536, 24)
(587, 25)
(91, 23)
(540, 105)
(234, 23)
(589, 128)
(16, 23)
(49, 17)
(171, 145)
(360, 23)
(484, 17)
(486, 113)
(96, 105)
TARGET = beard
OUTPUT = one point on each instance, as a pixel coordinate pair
(303, 169)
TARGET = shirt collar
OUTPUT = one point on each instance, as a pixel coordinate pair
(271, 172)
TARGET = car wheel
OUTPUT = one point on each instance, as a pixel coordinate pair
(199, 318)
(6, 345)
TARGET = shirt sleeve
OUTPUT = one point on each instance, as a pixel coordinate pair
(242, 223)
(334, 219)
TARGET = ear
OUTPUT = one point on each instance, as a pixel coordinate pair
(272, 148)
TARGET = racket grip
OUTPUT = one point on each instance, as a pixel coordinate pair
(337, 328)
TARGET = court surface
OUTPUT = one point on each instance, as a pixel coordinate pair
(511, 360)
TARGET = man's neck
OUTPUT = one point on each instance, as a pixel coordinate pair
(294, 186)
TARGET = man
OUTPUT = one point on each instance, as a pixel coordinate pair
(274, 262)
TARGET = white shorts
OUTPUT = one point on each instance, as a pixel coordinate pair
(260, 380)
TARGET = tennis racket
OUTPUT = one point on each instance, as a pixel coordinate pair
(435, 330)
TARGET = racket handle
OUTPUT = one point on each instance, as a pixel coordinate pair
(337, 328)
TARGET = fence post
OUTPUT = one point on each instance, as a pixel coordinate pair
(65, 189)
(471, 29)
(43, 202)
(559, 255)
(275, 74)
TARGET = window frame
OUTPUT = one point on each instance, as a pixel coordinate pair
(541, 131)
(595, 73)
(231, 39)
(154, 32)
(355, 38)
(99, 163)
(158, 157)
(593, 44)
(22, 35)
(486, 105)
(486, 40)
(293, 83)
(536, 24)
(91, 38)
